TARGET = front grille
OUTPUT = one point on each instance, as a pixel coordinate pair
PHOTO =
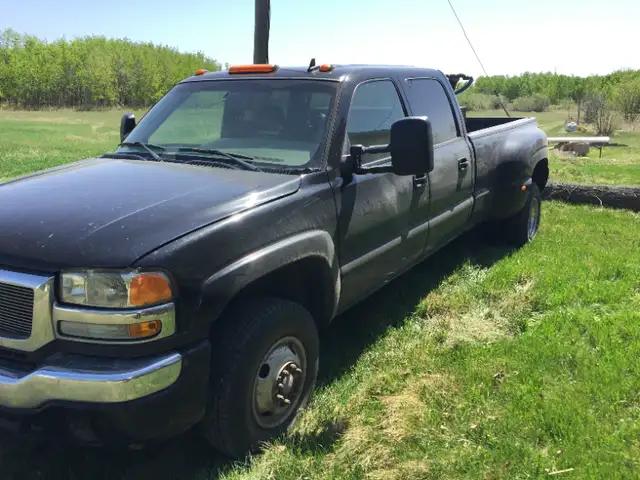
(16, 311)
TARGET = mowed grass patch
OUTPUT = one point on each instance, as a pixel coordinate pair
(619, 164)
(31, 141)
(482, 362)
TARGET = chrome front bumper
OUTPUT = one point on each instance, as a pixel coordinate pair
(76, 378)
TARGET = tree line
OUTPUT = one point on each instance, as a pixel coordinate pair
(537, 91)
(90, 72)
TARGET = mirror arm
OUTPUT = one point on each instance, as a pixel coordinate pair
(355, 156)
(385, 169)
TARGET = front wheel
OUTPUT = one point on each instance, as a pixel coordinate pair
(523, 227)
(263, 371)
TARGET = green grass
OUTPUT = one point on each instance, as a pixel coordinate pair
(32, 141)
(482, 362)
(619, 165)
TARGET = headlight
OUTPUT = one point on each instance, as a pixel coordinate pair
(110, 289)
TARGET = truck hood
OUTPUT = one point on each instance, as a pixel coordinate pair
(108, 213)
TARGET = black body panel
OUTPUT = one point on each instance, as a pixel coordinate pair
(108, 213)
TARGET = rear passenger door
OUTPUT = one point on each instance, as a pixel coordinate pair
(452, 179)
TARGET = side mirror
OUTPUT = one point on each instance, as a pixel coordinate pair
(411, 146)
(127, 124)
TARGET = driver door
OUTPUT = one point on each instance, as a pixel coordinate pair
(374, 210)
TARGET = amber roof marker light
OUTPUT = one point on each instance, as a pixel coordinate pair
(324, 68)
(257, 68)
(201, 71)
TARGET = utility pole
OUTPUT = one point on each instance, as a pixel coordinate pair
(261, 32)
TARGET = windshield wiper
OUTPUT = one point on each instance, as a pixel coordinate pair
(236, 158)
(124, 155)
(146, 146)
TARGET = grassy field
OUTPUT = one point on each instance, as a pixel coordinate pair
(483, 362)
(35, 140)
(619, 165)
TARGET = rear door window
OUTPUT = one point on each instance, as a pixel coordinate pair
(428, 98)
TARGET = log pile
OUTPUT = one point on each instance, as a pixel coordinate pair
(601, 195)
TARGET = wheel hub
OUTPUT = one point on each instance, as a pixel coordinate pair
(287, 381)
(279, 383)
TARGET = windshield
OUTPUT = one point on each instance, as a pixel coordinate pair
(279, 123)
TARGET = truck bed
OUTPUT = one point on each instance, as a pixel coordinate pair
(481, 123)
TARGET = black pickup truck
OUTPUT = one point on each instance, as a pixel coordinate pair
(181, 280)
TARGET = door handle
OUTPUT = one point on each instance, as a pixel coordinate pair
(419, 180)
(463, 164)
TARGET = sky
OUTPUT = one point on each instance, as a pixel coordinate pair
(579, 37)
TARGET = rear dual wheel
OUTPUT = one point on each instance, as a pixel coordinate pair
(264, 367)
(523, 227)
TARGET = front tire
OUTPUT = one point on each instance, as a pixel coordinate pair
(523, 227)
(264, 368)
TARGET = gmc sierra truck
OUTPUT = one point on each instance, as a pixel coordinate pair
(181, 280)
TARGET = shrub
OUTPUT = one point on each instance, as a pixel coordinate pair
(627, 99)
(478, 101)
(606, 122)
(532, 103)
(593, 104)
(598, 112)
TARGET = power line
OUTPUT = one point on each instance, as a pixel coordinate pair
(464, 31)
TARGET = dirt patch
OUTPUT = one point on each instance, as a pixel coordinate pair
(406, 410)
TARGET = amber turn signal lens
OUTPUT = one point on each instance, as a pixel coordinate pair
(149, 289)
(326, 67)
(257, 68)
(145, 329)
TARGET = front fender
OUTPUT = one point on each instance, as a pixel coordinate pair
(225, 284)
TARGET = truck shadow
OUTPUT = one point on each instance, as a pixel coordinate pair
(355, 330)
(188, 457)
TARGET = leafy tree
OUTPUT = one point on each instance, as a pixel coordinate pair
(554, 86)
(90, 72)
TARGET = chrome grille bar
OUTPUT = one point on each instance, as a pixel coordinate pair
(16, 311)
(25, 310)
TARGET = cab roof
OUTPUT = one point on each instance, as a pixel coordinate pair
(338, 73)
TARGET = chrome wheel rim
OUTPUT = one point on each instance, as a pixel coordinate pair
(534, 218)
(279, 383)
